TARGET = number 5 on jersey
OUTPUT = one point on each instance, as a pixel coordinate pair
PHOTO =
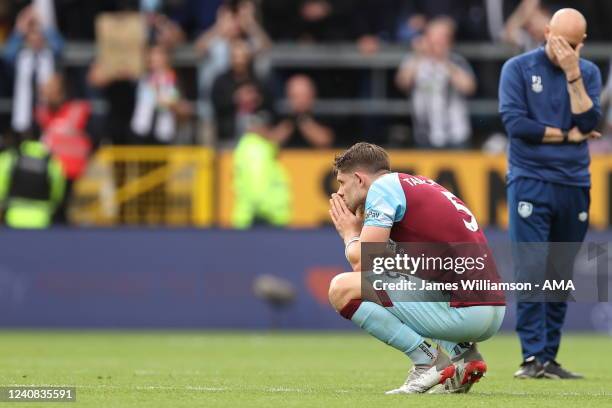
(472, 225)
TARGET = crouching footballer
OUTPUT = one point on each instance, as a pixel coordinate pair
(376, 205)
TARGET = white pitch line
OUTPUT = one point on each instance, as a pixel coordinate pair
(560, 394)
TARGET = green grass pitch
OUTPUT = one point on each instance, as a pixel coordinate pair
(185, 369)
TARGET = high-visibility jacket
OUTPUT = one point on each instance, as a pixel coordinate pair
(32, 184)
(261, 185)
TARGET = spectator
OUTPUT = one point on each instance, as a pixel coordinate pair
(118, 91)
(63, 124)
(158, 103)
(260, 182)
(235, 20)
(77, 18)
(525, 27)
(323, 20)
(33, 54)
(416, 13)
(440, 81)
(5, 21)
(309, 20)
(236, 93)
(164, 31)
(193, 16)
(306, 130)
(374, 21)
(31, 185)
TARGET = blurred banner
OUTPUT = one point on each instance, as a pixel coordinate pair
(118, 35)
(160, 278)
(477, 178)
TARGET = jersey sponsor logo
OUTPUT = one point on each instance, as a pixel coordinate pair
(525, 209)
(373, 214)
(536, 84)
(583, 216)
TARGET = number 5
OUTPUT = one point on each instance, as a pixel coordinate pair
(472, 225)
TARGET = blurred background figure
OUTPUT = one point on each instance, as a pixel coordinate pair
(237, 94)
(439, 81)
(307, 130)
(32, 54)
(63, 125)
(308, 21)
(5, 21)
(32, 185)
(604, 144)
(235, 20)
(374, 22)
(525, 27)
(261, 187)
(158, 103)
(193, 16)
(607, 99)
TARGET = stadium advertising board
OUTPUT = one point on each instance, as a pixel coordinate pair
(477, 178)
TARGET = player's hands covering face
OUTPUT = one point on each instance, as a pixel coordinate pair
(347, 224)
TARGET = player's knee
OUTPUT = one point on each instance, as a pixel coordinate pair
(340, 291)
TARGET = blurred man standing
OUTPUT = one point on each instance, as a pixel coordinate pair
(32, 51)
(549, 103)
(63, 124)
(308, 131)
(440, 81)
(261, 185)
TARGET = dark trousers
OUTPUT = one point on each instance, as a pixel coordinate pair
(542, 212)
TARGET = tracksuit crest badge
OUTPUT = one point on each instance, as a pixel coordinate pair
(525, 209)
(536, 83)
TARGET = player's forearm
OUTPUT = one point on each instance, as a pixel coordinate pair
(353, 254)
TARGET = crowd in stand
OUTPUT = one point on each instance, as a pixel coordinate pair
(228, 93)
(229, 35)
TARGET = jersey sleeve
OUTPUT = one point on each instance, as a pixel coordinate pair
(385, 203)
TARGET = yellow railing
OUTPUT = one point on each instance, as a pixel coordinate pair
(146, 185)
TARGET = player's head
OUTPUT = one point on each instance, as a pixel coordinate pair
(569, 24)
(356, 169)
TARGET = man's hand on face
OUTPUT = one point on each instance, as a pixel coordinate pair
(347, 224)
(567, 58)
